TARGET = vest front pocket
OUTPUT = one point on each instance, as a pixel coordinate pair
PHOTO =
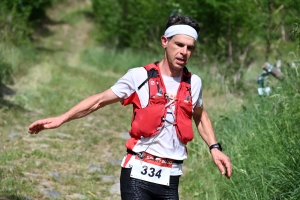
(147, 121)
(184, 121)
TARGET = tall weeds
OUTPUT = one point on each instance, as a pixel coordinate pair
(262, 141)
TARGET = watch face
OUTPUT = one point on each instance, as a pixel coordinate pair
(218, 146)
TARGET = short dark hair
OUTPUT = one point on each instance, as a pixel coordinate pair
(177, 19)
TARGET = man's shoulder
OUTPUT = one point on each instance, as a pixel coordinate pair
(141, 68)
(195, 79)
(136, 70)
(137, 73)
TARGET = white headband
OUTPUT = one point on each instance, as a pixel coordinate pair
(181, 29)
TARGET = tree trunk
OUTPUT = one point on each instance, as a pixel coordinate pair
(283, 31)
(123, 35)
(268, 30)
(229, 43)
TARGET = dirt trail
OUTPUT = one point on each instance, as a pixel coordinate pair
(63, 163)
(57, 36)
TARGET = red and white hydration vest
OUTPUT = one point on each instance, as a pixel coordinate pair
(149, 121)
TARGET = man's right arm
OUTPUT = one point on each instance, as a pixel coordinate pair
(80, 110)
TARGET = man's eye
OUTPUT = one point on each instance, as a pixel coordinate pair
(180, 45)
(191, 48)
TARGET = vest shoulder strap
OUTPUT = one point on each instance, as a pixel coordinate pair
(152, 72)
(186, 76)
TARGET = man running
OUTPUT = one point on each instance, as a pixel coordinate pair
(165, 97)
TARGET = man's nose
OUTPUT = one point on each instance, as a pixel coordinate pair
(184, 50)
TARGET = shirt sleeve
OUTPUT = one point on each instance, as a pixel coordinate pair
(128, 84)
(196, 85)
(124, 87)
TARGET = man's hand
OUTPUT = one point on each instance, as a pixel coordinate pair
(80, 110)
(43, 124)
(222, 161)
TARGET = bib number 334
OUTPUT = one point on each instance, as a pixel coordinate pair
(150, 171)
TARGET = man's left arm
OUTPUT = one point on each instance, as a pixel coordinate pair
(206, 131)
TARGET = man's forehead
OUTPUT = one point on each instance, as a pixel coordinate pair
(186, 39)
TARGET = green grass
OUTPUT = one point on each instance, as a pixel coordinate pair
(261, 140)
(116, 61)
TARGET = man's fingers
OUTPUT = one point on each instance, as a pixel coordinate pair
(38, 126)
(224, 166)
(228, 169)
(221, 167)
(34, 130)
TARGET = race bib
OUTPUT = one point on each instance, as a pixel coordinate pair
(152, 169)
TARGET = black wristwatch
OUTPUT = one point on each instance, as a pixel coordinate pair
(218, 146)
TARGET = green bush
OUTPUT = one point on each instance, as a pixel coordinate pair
(17, 22)
(5, 71)
(18, 17)
(235, 33)
(131, 23)
(296, 32)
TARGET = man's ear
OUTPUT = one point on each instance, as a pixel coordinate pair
(164, 41)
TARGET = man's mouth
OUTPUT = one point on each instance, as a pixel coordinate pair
(180, 61)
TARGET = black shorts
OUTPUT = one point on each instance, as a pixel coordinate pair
(135, 189)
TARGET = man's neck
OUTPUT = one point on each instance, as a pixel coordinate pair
(167, 70)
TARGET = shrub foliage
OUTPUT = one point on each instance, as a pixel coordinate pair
(18, 17)
(17, 22)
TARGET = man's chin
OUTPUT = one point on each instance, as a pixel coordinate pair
(179, 66)
(180, 63)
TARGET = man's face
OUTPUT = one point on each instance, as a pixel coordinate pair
(178, 50)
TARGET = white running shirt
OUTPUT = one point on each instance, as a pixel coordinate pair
(165, 144)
